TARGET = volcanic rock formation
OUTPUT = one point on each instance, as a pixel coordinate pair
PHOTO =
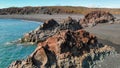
(96, 17)
(49, 28)
(65, 44)
(65, 49)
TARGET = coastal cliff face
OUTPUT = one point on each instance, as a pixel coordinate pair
(66, 49)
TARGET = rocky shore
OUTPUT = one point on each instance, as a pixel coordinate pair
(48, 29)
(66, 49)
(95, 17)
(51, 27)
(66, 44)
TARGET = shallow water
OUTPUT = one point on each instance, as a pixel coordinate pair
(10, 30)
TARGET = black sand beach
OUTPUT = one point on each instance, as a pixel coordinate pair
(107, 34)
(42, 17)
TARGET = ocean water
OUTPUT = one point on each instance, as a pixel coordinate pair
(11, 30)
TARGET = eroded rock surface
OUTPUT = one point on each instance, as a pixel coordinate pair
(95, 17)
(49, 28)
(65, 44)
(65, 49)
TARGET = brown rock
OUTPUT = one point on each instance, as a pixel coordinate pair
(65, 49)
(49, 28)
(95, 17)
(49, 23)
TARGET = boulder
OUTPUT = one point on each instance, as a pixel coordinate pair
(95, 17)
(49, 24)
(27, 63)
(70, 24)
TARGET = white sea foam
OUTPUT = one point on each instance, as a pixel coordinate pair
(31, 21)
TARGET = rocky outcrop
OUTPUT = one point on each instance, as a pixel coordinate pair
(95, 17)
(65, 49)
(49, 28)
(65, 44)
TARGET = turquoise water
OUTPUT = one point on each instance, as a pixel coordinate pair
(10, 30)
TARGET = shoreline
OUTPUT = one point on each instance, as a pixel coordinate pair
(102, 37)
(42, 17)
(58, 17)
